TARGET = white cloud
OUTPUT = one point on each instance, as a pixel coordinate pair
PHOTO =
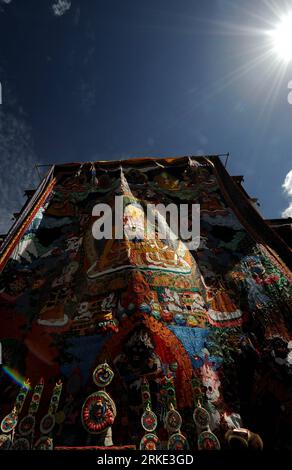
(61, 6)
(287, 185)
(202, 138)
(287, 212)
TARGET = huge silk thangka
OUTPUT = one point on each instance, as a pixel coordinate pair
(213, 323)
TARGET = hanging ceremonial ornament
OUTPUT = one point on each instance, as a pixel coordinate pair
(146, 397)
(149, 420)
(9, 423)
(197, 390)
(21, 444)
(48, 421)
(167, 391)
(27, 423)
(5, 442)
(201, 418)
(149, 441)
(173, 420)
(99, 410)
(177, 442)
(102, 375)
(208, 441)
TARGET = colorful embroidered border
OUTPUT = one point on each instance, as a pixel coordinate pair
(16, 237)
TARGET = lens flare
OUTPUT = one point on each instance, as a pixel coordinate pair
(16, 377)
(282, 38)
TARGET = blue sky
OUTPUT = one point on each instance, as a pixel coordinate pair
(110, 79)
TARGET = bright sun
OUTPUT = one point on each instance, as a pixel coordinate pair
(282, 38)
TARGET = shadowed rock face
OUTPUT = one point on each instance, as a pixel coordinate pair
(211, 325)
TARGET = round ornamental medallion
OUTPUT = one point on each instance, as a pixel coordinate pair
(5, 442)
(177, 442)
(47, 423)
(150, 442)
(21, 444)
(9, 422)
(173, 421)
(44, 443)
(26, 425)
(149, 420)
(35, 402)
(102, 375)
(20, 399)
(201, 417)
(146, 396)
(98, 412)
(208, 441)
(36, 397)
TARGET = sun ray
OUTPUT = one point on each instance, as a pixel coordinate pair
(281, 38)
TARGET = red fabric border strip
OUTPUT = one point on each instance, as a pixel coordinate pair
(27, 221)
(126, 447)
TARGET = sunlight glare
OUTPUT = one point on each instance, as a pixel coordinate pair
(282, 38)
